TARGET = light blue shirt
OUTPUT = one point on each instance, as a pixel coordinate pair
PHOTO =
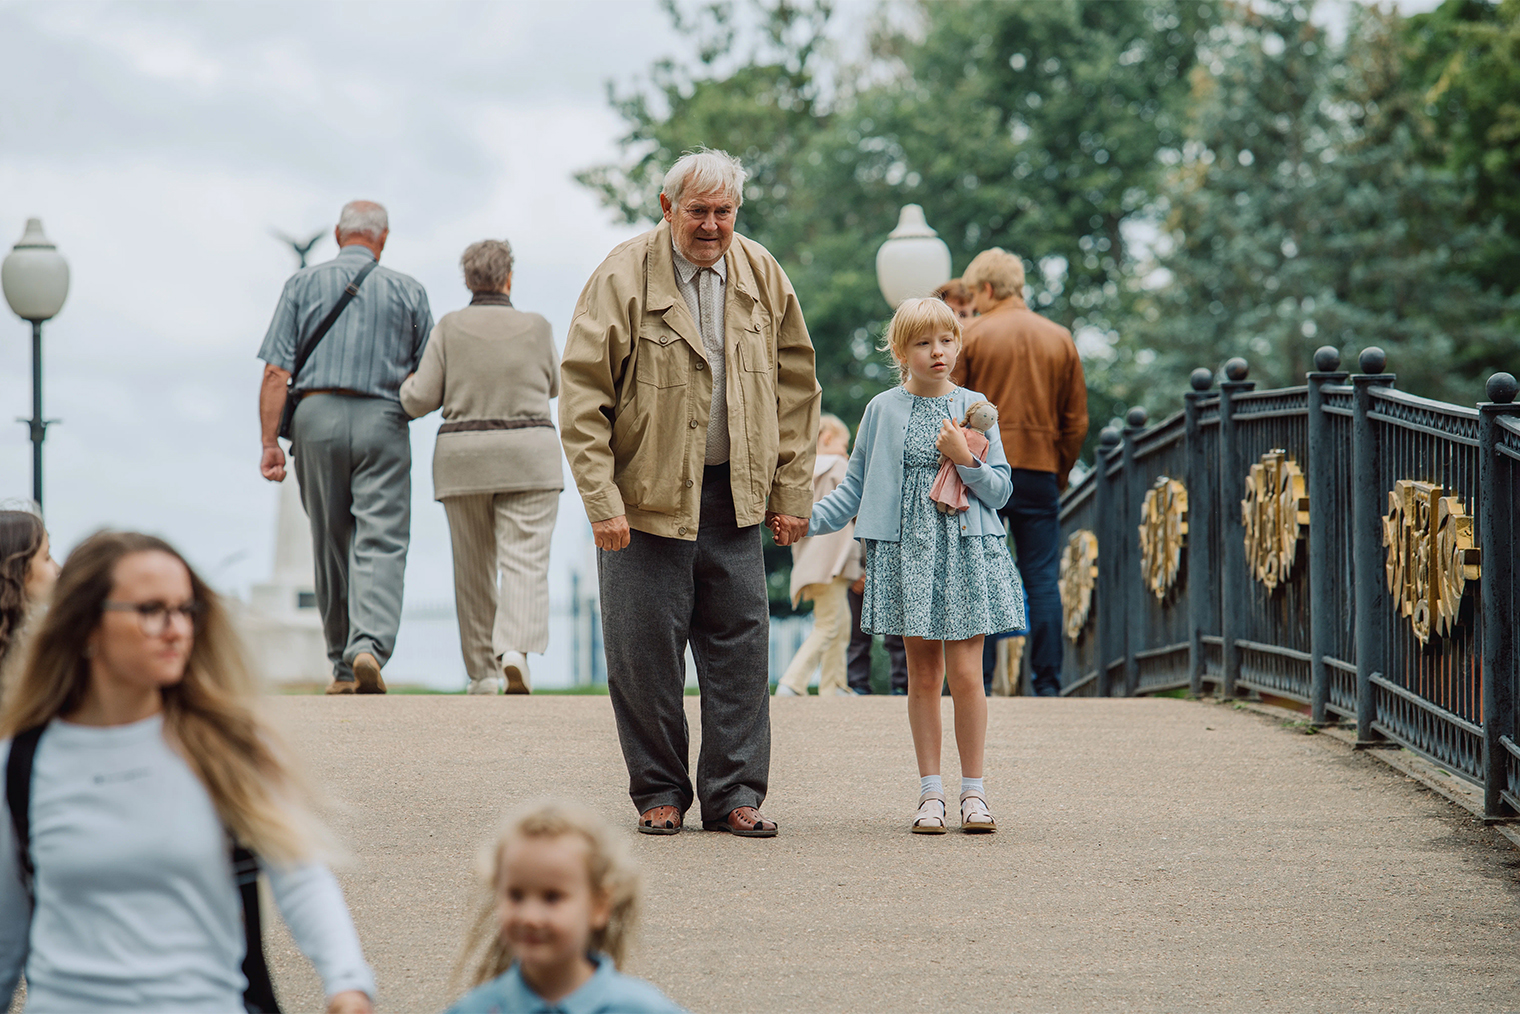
(872, 490)
(608, 991)
(374, 344)
(136, 905)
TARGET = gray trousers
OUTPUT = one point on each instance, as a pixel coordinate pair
(660, 594)
(353, 459)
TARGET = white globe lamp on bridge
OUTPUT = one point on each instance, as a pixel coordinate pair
(36, 281)
(914, 261)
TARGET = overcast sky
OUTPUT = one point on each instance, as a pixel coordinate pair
(160, 142)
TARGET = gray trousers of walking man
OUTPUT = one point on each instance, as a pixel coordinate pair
(659, 594)
(353, 459)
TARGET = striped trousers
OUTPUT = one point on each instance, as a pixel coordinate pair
(501, 574)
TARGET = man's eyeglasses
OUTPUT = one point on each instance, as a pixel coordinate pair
(154, 617)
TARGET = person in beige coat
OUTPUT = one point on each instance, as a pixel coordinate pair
(496, 466)
(823, 568)
(689, 416)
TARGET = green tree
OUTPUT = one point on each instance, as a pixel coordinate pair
(1302, 214)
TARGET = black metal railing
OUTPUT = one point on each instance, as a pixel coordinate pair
(1342, 544)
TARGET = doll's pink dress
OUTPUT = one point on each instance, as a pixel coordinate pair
(948, 488)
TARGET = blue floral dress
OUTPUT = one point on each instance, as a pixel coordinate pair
(936, 583)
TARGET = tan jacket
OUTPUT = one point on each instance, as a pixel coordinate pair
(485, 366)
(636, 391)
(1029, 368)
(819, 559)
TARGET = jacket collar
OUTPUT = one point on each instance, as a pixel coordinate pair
(662, 293)
(590, 998)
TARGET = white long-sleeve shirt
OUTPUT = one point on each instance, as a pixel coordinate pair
(136, 905)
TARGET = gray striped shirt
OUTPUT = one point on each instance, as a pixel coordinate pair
(376, 341)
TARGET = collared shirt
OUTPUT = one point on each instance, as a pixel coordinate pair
(704, 290)
(608, 991)
(374, 343)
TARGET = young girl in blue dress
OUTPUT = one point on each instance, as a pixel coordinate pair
(942, 581)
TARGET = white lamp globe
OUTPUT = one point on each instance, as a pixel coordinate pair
(914, 261)
(35, 276)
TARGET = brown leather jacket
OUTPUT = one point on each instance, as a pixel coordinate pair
(1029, 368)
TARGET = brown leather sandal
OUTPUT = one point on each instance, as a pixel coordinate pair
(660, 820)
(744, 821)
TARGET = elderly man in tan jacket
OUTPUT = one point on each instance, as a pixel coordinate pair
(688, 412)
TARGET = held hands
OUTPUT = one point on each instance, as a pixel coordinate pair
(951, 442)
(350, 1001)
(272, 464)
(612, 534)
(786, 528)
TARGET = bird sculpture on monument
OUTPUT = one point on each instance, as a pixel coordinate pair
(301, 249)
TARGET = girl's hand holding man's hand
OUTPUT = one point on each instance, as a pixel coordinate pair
(951, 442)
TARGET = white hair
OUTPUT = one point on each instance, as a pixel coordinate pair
(363, 218)
(705, 171)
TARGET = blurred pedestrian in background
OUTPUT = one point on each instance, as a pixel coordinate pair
(556, 920)
(353, 457)
(132, 741)
(496, 466)
(823, 567)
(1029, 368)
(690, 416)
(858, 658)
(955, 295)
(27, 575)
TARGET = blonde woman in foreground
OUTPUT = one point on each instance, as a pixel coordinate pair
(556, 920)
(151, 762)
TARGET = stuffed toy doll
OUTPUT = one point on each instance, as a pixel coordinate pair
(948, 491)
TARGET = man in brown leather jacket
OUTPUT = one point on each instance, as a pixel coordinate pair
(1029, 368)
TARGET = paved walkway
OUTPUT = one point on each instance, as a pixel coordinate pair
(1156, 855)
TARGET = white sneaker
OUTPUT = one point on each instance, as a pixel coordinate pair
(514, 666)
(490, 685)
(782, 690)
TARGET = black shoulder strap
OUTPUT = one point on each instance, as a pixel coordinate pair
(259, 997)
(349, 292)
(18, 796)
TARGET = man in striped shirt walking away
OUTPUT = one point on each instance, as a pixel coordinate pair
(350, 331)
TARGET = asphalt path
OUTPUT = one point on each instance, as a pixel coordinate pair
(1153, 855)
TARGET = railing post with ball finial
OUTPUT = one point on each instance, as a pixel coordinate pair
(1321, 483)
(1367, 505)
(1133, 492)
(1233, 578)
(1498, 475)
(1110, 603)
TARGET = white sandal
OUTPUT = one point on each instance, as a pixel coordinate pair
(975, 817)
(927, 821)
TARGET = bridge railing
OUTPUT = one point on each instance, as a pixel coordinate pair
(1341, 544)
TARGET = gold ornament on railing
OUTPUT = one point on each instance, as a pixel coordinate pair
(1274, 511)
(1079, 575)
(1163, 533)
(1431, 556)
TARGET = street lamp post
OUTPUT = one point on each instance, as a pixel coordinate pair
(913, 261)
(36, 282)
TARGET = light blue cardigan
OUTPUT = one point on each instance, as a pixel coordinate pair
(872, 488)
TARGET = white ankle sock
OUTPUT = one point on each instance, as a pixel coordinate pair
(968, 784)
(931, 783)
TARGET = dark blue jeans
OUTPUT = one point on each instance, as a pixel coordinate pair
(1032, 516)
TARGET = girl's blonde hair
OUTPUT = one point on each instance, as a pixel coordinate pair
(830, 423)
(913, 319)
(613, 878)
(209, 714)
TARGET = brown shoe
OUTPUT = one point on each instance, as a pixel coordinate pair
(660, 820)
(367, 672)
(744, 821)
(338, 686)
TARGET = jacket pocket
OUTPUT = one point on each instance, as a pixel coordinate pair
(757, 356)
(648, 448)
(662, 358)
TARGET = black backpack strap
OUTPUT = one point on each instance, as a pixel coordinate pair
(259, 997)
(18, 797)
(349, 292)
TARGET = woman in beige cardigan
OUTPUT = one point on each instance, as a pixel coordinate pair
(496, 466)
